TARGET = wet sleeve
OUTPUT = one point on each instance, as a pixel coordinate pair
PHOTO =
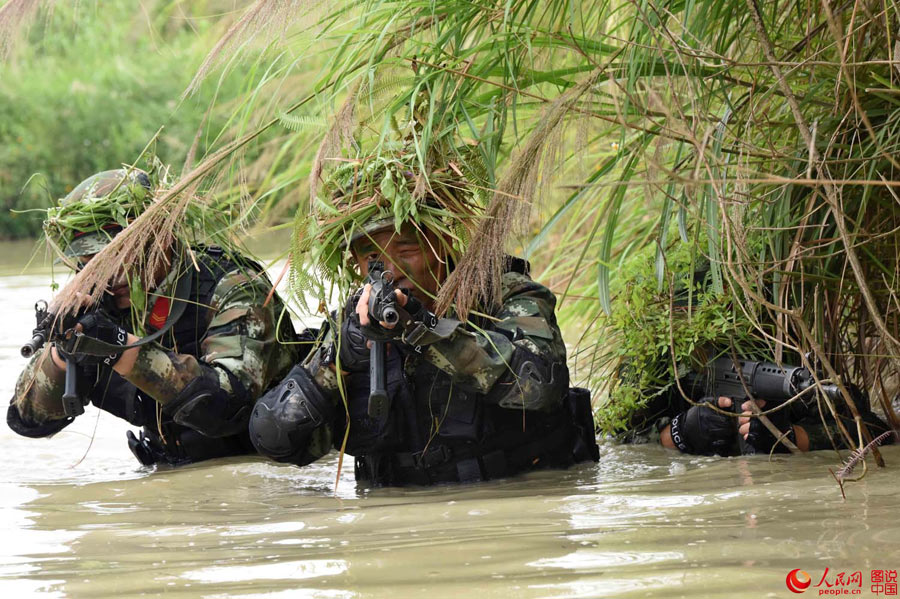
(39, 391)
(240, 351)
(489, 360)
(825, 434)
(644, 425)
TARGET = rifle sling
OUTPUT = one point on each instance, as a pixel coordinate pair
(96, 347)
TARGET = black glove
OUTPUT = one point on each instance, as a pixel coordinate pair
(353, 351)
(95, 325)
(702, 431)
(762, 440)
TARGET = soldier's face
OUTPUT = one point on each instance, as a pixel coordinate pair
(118, 289)
(414, 258)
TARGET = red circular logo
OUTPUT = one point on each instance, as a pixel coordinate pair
(797, 581)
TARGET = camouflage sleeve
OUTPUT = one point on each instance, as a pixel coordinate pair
(649, 432)
(240, 346)
(39, 390)
(320, 364)
(486, 359)
(825, 434)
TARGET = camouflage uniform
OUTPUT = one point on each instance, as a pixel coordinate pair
(229, 336)
(193, 388)
(461, 407)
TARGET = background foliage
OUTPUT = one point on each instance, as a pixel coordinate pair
(89, 87)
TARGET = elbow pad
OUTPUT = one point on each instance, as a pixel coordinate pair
(207, 408)
(532, 383)
(34, 431)
(284, 419)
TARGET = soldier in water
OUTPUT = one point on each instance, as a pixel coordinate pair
(215, 344)
(465, 400)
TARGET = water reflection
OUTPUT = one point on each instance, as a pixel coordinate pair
(296, 570)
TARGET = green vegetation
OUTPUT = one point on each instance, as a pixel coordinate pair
(620, 145)
(90, 87)
(765, 136)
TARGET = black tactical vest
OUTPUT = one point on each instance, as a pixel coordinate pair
(437, 431)
(169, 441)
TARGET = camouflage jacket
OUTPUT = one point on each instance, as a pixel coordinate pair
(232, 337)
(467, 378)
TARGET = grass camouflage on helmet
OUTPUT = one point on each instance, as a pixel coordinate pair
(371, 194)
(87, 219)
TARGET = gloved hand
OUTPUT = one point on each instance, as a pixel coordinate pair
(96, 325)
(372, 330)
(352, 348)
(758, 436)
(702, 431)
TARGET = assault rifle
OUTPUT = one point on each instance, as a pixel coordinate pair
(382, 308)
(48, 329)
(746, 379)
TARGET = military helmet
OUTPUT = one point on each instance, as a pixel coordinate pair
(88, 218)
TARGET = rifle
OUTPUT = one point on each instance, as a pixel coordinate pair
(47, 330)
(382, 308)
(746, 379)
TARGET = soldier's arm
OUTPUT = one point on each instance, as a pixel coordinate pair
(517, 361)
(36, 409)
(240, 356)
(825, 435)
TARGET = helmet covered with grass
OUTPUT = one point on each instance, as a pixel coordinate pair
(366, 196)
(87, 219)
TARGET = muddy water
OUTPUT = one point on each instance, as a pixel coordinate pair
(80, 518)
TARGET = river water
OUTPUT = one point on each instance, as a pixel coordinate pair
(80, 518)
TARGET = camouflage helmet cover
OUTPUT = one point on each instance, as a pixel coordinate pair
(87, 219)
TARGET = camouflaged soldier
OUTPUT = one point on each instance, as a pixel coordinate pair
(470, 401)
(193, 387)
(691, 427)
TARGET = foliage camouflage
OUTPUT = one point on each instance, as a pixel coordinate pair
(765, 135)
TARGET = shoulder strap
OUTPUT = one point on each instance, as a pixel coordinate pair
(95, 347)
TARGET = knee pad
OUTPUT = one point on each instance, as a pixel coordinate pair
(284, 419)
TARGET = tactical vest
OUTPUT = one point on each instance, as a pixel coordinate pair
(437, 431)
(161, 439)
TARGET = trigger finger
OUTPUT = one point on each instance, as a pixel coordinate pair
(724, 402)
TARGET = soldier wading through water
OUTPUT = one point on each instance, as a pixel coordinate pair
(193, 386)
(466, 400)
